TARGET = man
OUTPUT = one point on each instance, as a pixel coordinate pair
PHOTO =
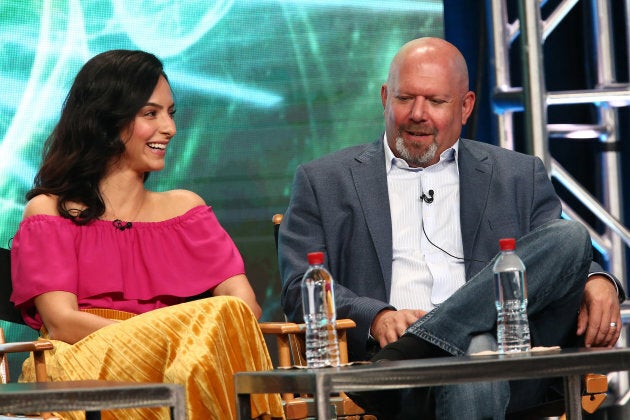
(410, 224)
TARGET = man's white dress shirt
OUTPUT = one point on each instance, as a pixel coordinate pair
(423, 276)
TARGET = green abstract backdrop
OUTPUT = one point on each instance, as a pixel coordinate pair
(260, 87)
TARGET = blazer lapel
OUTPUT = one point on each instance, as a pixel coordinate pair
(370, 181)
(475, 173)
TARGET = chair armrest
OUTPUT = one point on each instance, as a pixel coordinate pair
(293, 328)
(345, 323)
(290, 341)
(36, 347)
(26, 346)
(281, 328)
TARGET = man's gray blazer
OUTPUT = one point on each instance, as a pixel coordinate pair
(340, 205)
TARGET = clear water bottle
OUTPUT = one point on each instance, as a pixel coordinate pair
(510, 286)
(318, 302)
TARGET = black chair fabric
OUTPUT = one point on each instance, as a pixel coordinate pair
(10, 319)
(7, 310)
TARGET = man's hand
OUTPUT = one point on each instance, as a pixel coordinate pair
(389, 325)
(600, 308)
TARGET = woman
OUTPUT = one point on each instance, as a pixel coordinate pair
(96, 247)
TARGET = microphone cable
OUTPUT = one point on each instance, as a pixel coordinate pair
(445, 251)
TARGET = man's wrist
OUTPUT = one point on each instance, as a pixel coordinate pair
(611, 279)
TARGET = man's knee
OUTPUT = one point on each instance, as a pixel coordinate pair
(569, 232)
(574, 231)
(563, 240)
(482, 342)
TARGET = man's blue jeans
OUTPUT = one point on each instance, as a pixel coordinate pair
(557, 256)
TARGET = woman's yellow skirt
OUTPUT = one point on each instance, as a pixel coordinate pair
(199, 344)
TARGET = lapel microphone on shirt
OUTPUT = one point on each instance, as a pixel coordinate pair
(427, 198)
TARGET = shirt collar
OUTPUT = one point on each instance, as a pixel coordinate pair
(449, 155)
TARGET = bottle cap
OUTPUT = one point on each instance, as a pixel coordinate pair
(507, 244)
(315, 258)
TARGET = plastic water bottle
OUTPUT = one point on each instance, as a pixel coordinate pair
(318, 302)
(510, 286)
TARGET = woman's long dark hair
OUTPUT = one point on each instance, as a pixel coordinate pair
(104, 98)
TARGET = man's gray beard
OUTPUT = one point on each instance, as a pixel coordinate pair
(414, 160)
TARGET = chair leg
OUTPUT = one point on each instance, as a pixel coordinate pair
(348, 406)
(40, 366)
(595, 389)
